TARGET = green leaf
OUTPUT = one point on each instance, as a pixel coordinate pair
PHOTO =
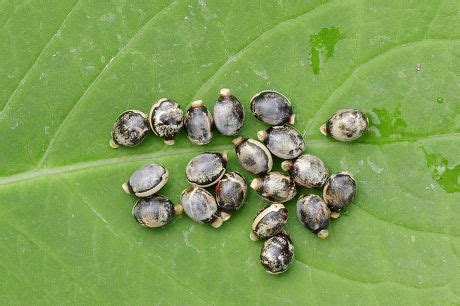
(68, 68)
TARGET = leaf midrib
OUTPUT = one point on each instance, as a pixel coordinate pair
(80, 166)
(40, 172)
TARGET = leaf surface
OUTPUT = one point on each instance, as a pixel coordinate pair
(68, 68)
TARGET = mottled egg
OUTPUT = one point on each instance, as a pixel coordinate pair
(155, 211)
(277, 254)
(346, 125)
(166, 119)
(201, 206)
(283, 141)
(314, 214)
(269, 221)
(198, 123)
(231, 192)
(253, 155)
(338, 192)
(272, 108)
(129, 129)
(228, 113)
(275, 187)
(206, 169)
(147, 180)
(307, 170)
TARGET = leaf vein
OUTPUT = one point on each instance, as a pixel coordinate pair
(24, 176)
(107, 226)
(360, 66)
(47, 253)
(403, 225)
(92, 209)
(367, 282)
(13, 94)
(240, 52)
(430, 25)
(37, 173)
(96, 79)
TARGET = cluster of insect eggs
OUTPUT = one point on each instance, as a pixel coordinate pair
(166, 119)
(282, 140)
(314, 212)
(206, 170)
(151, 210)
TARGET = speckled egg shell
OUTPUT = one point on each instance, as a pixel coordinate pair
(307, 170)
(129, 129)
(277, 254)
(346, 125)
(314, 214)
(198, 123)
(272, 108)
(269, 221)
(275, 187)
(154, 211)
(199, 205)
(166, 119)
(253, 155)
(147, 180)
(228, 113)
(283, 141)
(339, 191)
(206, 169)
(231, 192)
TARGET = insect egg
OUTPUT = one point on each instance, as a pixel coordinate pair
(338, 192)
(155, 211)
(228, 113)
(129, 129)
(346, 125)
(272, 108)
(275, 187)
(166, 119)
(206, 169)
(147, 180)
(253, 155)
(307, 170)
(231, 193)
(269, 221)
(283, 141)
(198, 123)
(277, 254)
(314, 214)
(201, 206)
